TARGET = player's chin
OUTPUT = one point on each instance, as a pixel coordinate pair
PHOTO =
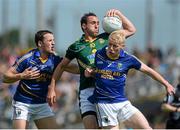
(96, 34)
(52, 51)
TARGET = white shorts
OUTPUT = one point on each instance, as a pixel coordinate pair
(109, 114)
(30, 111)
(86, 107)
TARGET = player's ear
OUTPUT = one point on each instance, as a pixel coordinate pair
(83, 26)
(39, 43)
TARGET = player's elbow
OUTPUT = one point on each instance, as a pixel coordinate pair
(132, 30)
(5, 79)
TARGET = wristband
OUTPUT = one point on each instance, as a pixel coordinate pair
(176, 109)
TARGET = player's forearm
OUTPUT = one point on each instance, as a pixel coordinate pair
(56, 76)
(169, 108)
(127, 25)
(159, 78)
(153, 74)
(156, 76)
(58, 72)
(11, 78)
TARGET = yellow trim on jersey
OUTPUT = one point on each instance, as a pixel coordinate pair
(43, 60)
(28, 91)
(112, 58)
(83, 65)
(87, 40)
(100, 57)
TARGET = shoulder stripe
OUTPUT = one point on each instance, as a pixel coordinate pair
(23, 58)
(100, 57)
(126, 52)
(104, 60)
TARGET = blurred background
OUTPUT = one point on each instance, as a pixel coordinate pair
(156, 43)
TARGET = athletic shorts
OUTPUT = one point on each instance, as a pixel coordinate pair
(112, 114)
(86, 107)
(30, 111)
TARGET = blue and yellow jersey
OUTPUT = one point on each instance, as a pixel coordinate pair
(35, 91)
(111, 76)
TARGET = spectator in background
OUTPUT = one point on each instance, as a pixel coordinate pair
(171, 104)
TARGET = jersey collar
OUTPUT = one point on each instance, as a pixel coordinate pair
(38, 54)
(122, 53)
(84, 40)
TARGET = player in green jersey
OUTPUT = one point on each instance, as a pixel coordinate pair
(84, 51)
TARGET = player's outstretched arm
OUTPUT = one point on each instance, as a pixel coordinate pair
(128, 26)
(169, 108)
(156, 76)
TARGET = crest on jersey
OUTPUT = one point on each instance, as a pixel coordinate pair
(92, 45)
(101, 41)
(119, 65)
(91, 58)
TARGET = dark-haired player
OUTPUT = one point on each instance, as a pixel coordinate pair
(84, 51)
(34, 71)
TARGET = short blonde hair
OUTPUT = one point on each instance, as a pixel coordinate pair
(117, 36)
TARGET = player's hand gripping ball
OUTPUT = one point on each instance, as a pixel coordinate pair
(111, 24)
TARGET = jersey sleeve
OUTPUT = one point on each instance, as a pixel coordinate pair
(104, 36)
(57, 60)
(71, 52)
(20, 64)
(136, 64)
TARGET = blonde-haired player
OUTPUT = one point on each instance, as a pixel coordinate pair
(112, 64)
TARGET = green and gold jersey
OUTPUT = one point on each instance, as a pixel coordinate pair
(84, 52)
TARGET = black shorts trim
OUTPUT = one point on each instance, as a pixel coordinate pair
(88, 113)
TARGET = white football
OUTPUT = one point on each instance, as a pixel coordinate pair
(111, 24)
